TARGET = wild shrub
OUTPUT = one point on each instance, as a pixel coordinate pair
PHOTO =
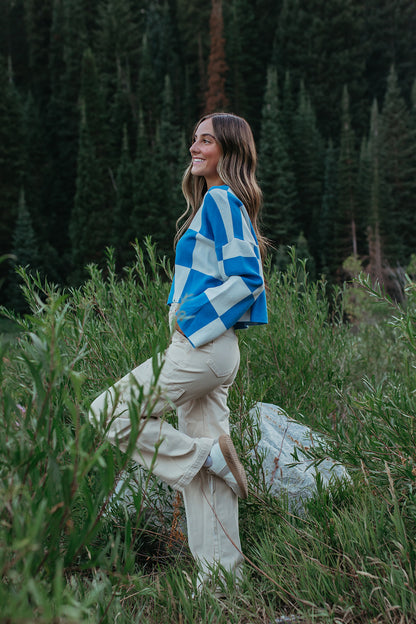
(58, 479)
(73, 550)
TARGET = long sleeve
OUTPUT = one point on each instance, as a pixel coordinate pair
(218, 273)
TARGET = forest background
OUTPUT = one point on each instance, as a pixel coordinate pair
(98, 99)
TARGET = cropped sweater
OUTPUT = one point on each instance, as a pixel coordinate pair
(218, 281)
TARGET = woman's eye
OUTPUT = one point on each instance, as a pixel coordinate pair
(206, 141)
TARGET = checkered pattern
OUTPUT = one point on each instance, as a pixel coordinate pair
(218, 278)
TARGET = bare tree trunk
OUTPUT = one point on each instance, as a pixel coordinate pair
(375, 267)
(354, 238)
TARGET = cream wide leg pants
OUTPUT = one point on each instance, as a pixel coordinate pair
(196, 381)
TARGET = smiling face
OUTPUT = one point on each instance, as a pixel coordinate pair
(206, 152)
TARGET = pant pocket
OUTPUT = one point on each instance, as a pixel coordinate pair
(225, 357)
(174, 394)
(220, 369)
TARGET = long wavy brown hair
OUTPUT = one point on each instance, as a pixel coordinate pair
(236, 168)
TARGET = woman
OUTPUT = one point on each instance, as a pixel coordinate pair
(218, 286)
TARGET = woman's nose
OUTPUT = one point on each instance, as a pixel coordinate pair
(193, 148)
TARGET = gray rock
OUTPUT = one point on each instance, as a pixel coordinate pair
(287, 468)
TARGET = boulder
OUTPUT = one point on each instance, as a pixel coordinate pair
(287, 468)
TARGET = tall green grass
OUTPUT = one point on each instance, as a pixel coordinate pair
(70, 550)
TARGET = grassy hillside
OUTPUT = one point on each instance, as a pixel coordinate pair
(342, 363)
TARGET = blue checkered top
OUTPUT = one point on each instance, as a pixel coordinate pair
(218, 281)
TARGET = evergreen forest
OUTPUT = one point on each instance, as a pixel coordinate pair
(98, 100)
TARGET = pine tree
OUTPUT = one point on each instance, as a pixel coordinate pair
(216, 99)
(168, 163)
(375, 251)
(11, 154)
(246, 75)
(38, 20)
(121, 233)
(363, 192)
(398, 163)
(24, 247)
(56, 57)
(188, 107)
(117, 46)
(390, 40)
(158, 169)
(160, 56)
(193, 18)
(307, 153)
(288, 108)
(235, 87)
(150, 215)
(345, 234)
(161, 214)
(90, 226)
(94, 108)
(257, 25)
(172, 61)
(328, 210)
(378, 265)
(173, 155)
(413, 134)
(25, 252)
(148, 89)
(141, 192)
(321, 42)
(303, 253)
(275, 170)
(286, 41)
(14, 39)
(78, 25)
(162, 41)
(67, 39)
(121, 116)
(413, 106)
(35, 172)
(117, 51)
